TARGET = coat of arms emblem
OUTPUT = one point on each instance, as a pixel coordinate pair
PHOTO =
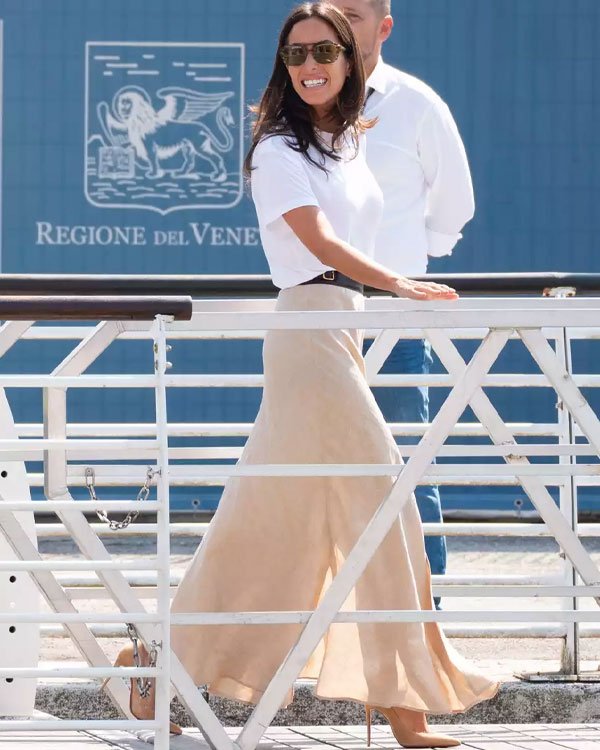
(164, 125)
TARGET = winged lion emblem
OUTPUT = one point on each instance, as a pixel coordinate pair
(175, 129)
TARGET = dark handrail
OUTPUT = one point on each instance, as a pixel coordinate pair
(485, 284)
(93, 308)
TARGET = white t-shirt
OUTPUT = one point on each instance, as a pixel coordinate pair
(282, 179)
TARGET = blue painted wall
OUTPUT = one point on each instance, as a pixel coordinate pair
(522, 78)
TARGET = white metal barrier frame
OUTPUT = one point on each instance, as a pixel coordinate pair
(533, 321)
(447, 584)
(154, 627)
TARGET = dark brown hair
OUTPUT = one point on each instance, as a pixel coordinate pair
(282, 111)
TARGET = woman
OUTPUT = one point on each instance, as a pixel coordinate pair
(274, 543)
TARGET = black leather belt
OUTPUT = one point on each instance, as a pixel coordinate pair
(335, 278)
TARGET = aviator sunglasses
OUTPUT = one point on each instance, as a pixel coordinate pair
(323, 53)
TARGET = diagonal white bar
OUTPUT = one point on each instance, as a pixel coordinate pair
(55, 596)
(370, 539)
(11, 332)
(564, 384)
(537, 492)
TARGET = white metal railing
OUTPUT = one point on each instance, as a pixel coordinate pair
(493, 322)
(21, 555)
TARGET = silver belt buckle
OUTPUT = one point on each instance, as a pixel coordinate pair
(329, 278)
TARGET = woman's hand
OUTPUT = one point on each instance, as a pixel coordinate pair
(404, 287)
(312, 228)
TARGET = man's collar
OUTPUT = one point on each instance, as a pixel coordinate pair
(378, 80)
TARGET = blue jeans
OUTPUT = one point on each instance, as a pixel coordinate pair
(413, 356)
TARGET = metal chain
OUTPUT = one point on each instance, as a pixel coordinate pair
(143, 683)
(90, 478)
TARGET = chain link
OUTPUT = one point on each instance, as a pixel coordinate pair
(90, 478)
(143, 683)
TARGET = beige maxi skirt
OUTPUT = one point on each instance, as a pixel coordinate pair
(275, 543)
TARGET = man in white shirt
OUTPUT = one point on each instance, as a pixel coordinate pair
(419, 161)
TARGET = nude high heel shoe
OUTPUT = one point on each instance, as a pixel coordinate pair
(141, 702)
(406, 737)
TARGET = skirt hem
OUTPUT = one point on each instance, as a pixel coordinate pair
(227, 687)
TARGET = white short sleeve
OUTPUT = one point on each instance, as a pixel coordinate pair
(279, 180)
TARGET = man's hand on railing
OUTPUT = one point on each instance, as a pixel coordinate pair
(422, 290)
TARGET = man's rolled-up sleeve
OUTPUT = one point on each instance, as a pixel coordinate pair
(450, 200)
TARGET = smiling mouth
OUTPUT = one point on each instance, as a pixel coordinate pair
(314, 83)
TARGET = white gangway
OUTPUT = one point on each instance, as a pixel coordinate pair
(533, 322)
